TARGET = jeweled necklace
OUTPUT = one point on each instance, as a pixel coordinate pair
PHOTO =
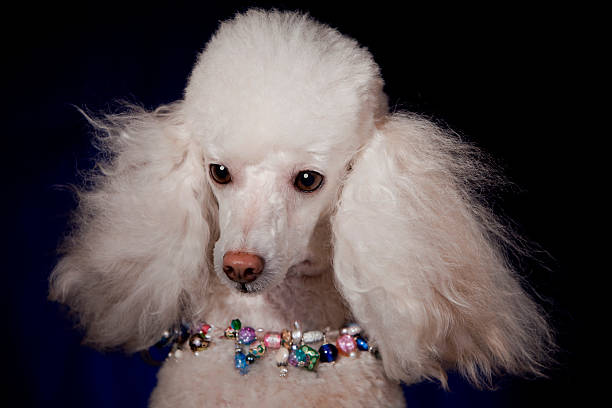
(291, 347)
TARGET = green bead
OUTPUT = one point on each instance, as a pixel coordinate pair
(236, 324)
(313, 356)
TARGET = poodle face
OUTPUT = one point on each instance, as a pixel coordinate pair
(266, 209)
(262, 209)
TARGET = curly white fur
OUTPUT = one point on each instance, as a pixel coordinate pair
(416, 258)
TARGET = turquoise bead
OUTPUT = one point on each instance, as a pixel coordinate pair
(301, 357)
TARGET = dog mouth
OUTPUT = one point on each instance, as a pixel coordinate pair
(249, 288)
(304, 268)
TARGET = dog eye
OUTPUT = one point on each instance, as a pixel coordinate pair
(308, 181)
(220, 173)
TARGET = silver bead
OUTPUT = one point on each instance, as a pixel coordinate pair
(312, 336)
(284, 371)
(296, 335)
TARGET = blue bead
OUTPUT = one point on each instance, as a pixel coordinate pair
(328, 353)
(361, 343)
(240, 362)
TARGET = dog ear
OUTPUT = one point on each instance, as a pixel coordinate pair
(420, 261)
(136, 260)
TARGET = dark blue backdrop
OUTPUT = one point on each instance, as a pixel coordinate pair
(502, 77)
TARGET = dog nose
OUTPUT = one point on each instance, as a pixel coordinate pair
(242, 267)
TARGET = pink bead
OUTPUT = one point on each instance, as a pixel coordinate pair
(272, 340)
(346, 344)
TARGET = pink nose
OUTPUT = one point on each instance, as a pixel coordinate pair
(242, 267)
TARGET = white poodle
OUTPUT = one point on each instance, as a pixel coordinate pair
(282, 189)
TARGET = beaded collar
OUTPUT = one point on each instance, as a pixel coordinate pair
(290, 347)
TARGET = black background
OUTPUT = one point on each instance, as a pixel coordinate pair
(508, 78)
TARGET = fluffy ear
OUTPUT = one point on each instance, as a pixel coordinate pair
(136, 260)
(420, 261)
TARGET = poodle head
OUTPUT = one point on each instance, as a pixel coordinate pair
(280, 105)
